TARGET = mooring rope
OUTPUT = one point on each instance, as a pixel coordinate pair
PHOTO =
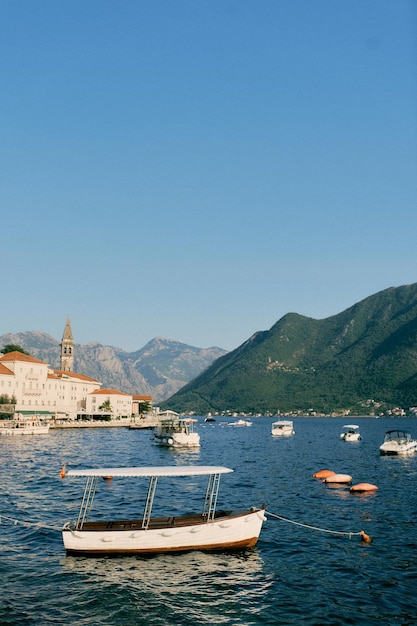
(29, 524)
(349, 534)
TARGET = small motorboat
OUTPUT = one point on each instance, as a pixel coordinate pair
(283, 428)
(239, 423)
(177, 433)
(209, 529)
(350, 432)
(398, 442)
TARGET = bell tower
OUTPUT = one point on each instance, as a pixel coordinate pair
(67, 349)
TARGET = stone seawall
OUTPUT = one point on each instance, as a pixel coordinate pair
(124, 423)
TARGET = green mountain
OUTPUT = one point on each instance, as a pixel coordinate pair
(362, 360)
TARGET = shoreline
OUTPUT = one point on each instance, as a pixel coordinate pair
(144, 424)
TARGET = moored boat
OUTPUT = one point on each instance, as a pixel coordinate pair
(398, 442)
(177, 433)
(350, 432)
(211, 529)
(282, 428)
(240, 422)
(20, 425)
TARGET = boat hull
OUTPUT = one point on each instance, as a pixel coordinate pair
(235, 531)
(398, 449)
(27, 430)
(282, 433)
(350, 437)
(178, 440)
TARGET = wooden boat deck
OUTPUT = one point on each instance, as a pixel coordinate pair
(157, 522)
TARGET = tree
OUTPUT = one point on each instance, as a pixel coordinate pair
(144, 407)
(106, 406)
(12, 347)
(4, 399)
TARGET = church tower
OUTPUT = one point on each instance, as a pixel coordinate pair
(67, 349)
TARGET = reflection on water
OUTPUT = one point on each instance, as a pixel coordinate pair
(173, 571)
(208, 587)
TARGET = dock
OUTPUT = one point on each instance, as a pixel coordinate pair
(144, 423)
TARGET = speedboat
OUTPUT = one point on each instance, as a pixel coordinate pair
(19, 425)
(283, 428)
(211, 529)
(398, 442)
(350, 432)
(240, 423)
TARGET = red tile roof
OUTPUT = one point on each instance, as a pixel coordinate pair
(5, 370)
(108, 392)
(19, 356)
(61, 374)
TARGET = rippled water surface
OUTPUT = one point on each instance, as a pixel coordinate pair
(294, 575)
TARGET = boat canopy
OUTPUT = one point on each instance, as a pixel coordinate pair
(143, 472)
(397, 434)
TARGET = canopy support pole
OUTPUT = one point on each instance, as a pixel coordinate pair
(149, 501)
(212, 492)
(87, 501)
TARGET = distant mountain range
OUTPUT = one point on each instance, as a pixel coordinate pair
(158, 369)
(363, 360)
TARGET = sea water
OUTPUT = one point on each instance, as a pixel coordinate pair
(309, 572)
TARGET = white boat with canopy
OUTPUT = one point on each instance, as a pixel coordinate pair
(282, 428)
(24, 425)
(177, 433)
(211, 529)
(350, 432)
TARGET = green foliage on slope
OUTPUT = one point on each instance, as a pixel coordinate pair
(366, 353)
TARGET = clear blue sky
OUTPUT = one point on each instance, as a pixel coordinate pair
(196, 169)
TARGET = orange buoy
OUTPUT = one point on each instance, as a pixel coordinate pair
(107, 478)
(338, 478)
(361, 487)
(62, 472)
(323, 473)
(364, 537)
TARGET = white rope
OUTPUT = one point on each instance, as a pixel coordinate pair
(323, 530)
(29, 524)
(284, 519)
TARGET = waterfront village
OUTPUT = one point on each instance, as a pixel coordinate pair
(30, 387)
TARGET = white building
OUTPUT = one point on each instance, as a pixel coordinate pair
(37, 388)
(119, 403)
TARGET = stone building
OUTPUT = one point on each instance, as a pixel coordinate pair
(67, 349)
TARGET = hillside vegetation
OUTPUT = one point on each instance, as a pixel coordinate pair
(363, 360)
